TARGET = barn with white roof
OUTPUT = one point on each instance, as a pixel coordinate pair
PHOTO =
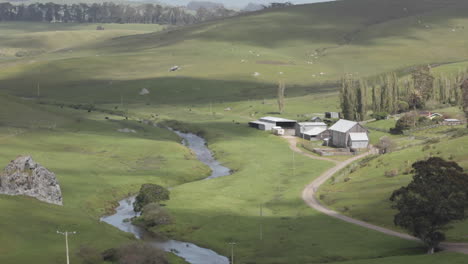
(348, 134)
(268, 123)
(311, 130)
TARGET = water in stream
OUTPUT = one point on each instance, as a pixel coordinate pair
(188, 251)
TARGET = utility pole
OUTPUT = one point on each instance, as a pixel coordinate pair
(232, 251)
(66, 233)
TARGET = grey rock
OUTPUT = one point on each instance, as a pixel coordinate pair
(23, 176)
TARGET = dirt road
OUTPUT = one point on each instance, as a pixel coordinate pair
(310, 191)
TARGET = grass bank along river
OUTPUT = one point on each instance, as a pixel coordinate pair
(188, 251)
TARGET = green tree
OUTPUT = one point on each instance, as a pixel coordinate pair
(361, 101)
(153, 215)
(464, 88)
(407, 121)
(375, 100)
(150, 193)
(386, 145)
(423, 82)
(348, 98)
(435, 197)
(136, 253)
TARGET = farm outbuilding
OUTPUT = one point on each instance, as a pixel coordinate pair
(310, 130)
(452, 122)
(332, 115)
(340, 134)
(358, 140)
(316, 119)
(262, 125)
(316, 133)
(268, 123)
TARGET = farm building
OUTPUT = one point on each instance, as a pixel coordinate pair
(345, 133)
(311, 130)
(269, 122)
(332, 115)
(452, 122)
(358, 140)
(316, 119)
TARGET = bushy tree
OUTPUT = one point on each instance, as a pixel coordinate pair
(386, 145)
(380, 115)
(423, 85)
(136, 253)
(348, 98)
(405, 122)
(403, 106)
(153, 215)
(464, 88)
(89, 255)
(437, 196)
(150, 193)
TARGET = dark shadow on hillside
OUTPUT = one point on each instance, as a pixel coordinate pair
(165, 90)
(302, 239)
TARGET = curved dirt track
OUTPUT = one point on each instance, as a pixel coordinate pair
(310, 191)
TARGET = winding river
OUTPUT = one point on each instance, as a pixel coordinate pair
(190, 252)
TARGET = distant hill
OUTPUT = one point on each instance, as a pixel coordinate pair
(195, 5)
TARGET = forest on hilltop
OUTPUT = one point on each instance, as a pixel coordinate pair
(108, 13)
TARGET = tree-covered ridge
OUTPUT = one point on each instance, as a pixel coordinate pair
(108, 13)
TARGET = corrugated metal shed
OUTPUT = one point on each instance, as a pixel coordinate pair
(273, 119)
(343, 125)
(312, 124)
(314, 131)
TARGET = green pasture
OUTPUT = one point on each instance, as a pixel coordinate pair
(229, 70)
(365, 193)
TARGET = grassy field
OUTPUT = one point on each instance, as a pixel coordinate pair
(365, 194)
(213, 213)
(217, 92)
(95, 165)
(311, 54)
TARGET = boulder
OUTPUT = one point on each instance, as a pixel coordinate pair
(23, 176)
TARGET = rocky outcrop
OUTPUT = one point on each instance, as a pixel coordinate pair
(23, 176)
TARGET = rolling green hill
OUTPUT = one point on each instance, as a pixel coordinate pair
(233, 64)
(308, 46)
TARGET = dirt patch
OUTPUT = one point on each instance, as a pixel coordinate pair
(272, 62)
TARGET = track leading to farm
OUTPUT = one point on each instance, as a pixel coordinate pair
(310, 191)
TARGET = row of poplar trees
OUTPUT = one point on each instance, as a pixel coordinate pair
(390, 94)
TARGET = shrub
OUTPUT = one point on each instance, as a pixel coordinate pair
(386, 145)
(136, 253)
(150, 193)
(391, 173)
(403, 106)
(460, 132)
(89, 255)
(380, 115)
(432, 141)
(426, 147)
(406, 122)
(153, 215)
(407, 171)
